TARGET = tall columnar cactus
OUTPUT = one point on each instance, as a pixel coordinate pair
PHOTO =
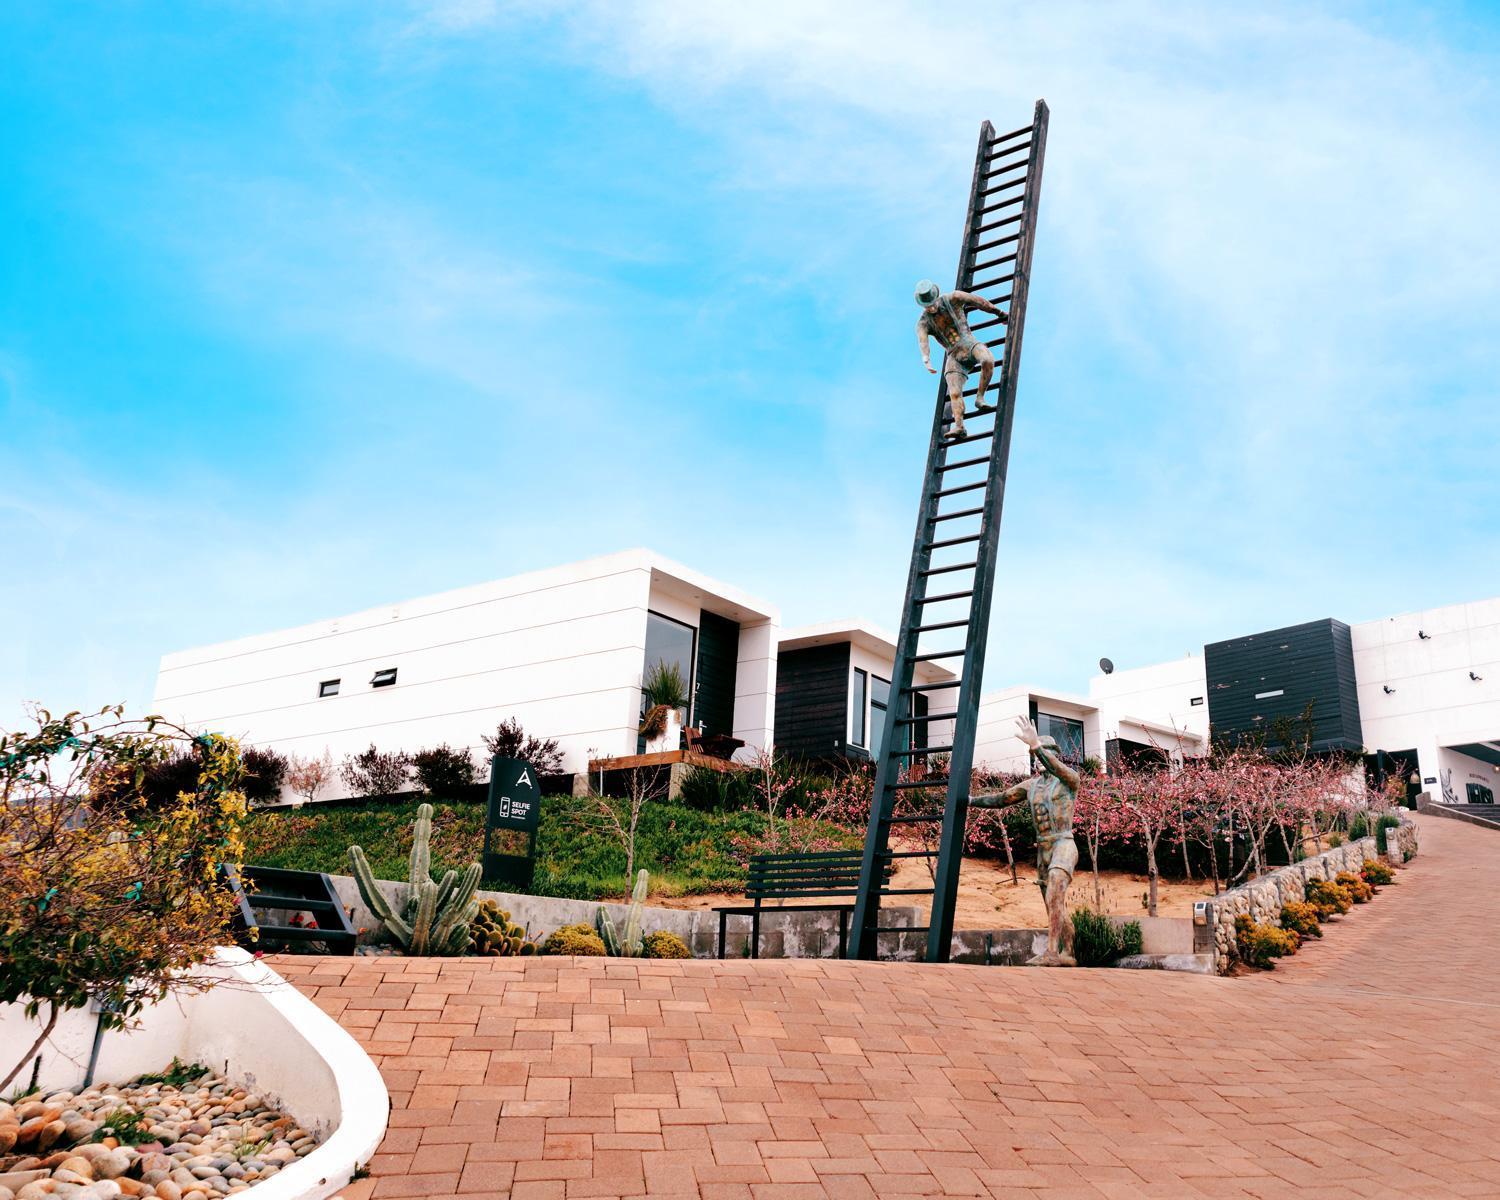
(628, 943)
(434, 917)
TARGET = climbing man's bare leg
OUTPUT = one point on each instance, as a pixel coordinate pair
(986, 369)
(955, 377)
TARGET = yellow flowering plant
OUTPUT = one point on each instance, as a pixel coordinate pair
(103, 897)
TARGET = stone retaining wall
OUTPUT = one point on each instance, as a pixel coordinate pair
(1262, 899)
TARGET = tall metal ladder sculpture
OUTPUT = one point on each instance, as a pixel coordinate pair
(952, 575)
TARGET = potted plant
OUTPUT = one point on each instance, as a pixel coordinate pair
(665, 694)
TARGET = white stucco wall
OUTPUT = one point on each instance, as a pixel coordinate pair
(1149, 704)
(1433, 702)
(560, 650)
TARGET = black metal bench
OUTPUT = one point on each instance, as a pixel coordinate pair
(796, 877)
(274, 889)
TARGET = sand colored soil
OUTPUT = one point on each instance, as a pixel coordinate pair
(988, 900)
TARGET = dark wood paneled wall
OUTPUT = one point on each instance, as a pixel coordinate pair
(1309, 664)
(812, 701)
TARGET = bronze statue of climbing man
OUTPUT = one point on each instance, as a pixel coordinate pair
(943, 317)
(1051, 795)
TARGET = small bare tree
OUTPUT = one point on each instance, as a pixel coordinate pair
(309, 776)
(620, 818)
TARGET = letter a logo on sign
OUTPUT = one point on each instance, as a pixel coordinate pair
(525, 778)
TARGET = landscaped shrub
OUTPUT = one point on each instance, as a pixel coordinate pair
(1386, 822)
(1259, 944)
(265, 772)
(1335, 840)
(1098, 941)
(1377, 873)
(444, 771)
(376, 773)
(511, 741)
(1359, 891)
(1329, 899)
(717, 791)
(575, 939)
(1359, 827)
(664, 944)
(492, 934)
(1301, 918)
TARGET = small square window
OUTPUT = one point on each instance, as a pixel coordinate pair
(329, 687)
(384, 677)
(1196, 701)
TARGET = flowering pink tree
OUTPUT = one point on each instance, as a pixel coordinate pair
(1150, 800)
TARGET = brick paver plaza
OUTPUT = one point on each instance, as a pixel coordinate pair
(1366, 1066)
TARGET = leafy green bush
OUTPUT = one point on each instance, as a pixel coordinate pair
(265, 772)
(717, 791)
(1259, 944)
(443, 771)
(1098, 941)
(1328, 898)
(664, 944)
(1386, 822)
(374, 772)
(575, 939)
(1301, 918)
(1359, 827)
(1377, 873)
(1335, 840)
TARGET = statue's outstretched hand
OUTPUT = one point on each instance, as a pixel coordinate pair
(931, 370)
(1026, 731)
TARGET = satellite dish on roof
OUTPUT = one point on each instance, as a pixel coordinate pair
(1106, 666)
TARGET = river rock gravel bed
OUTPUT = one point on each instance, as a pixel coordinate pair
(202, 1139)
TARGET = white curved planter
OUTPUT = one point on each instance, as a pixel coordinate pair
(262, 1032)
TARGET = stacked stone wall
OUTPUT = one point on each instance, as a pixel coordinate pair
(1262, 899)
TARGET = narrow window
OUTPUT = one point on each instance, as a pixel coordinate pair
(384, 677)
(857, 708)
(1270, 695)
(1196, 701)
(329, 687)
(880, 700)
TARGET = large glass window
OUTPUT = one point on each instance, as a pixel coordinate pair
(671, 642)
(858, 703)
(880, 699)
(1067, 733)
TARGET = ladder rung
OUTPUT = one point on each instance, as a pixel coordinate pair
(1018, 181)
(901, 929)
(954, 567)
(1005, 137)
(992, 168)
(1005, 241)
(944, 596)
(937, 654)
(984, 410)
(920, 817)
(966, 436)
(934, 687)
(917, 753)
(996, 342)
(910, 853)
(941, 625)
(994, 262)
(957, 513)
(994, 281)
(947, 716)
(958, 541)
(909, 892)
(998, 224)
(967, 462)
(988, 408)
(967, 487)
(1002, 204)
(975, 328)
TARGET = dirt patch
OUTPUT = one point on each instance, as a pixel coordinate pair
(988, 900)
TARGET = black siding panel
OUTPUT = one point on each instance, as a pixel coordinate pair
(812, 701)
(718, 657)
(1310, 664)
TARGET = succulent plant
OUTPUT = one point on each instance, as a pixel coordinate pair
(626, 943)
(574, 939)
(434, 917)
(493, 934)
(664, 944)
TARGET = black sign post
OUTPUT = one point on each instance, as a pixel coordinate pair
(515, 803)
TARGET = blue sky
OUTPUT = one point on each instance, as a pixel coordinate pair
(306, 308)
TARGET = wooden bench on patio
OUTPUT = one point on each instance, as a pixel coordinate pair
(797, 877)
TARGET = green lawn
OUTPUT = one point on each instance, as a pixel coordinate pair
(686, 851)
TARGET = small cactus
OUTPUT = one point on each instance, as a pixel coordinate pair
(625, 944)
(493, 935)
(434, 917)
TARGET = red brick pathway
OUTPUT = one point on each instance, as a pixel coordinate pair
(1366, 1066)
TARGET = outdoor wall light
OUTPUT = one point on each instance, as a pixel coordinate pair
(1474, 677)
(1424, 635)
(1389, 690)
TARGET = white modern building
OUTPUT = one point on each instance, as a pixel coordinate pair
(563, 651)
